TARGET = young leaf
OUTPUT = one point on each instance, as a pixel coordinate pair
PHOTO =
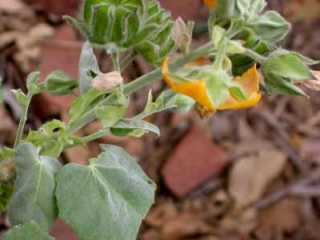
(33, 84)
(250, 7)
(84, 103)
(58, 83)
(271, 27)
(288, 65)
(114, 111)
(276, 84)
(88, 64)
(21, 98)
(134, 128)
(27, 231)
(51, 138)
(107, 199)
(33, 198)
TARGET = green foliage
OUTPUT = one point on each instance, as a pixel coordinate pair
(51, 139)
(282, 69)
(84, 103)
(27, 231)
(21, 98)
(134, 128)
(6, 190)
(6, 153)
(107, 199)
(58, 83)
(112, 112)
(33, 198)
(127, 24)
(271, 27)
(33, 83)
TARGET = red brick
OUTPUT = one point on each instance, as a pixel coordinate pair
(193, 162)
(187, 9)
(62, 52)
(61, 231)
(58, 7)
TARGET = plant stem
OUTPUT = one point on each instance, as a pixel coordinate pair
(95, 136)
(142, 82)
(256, 56)
(116, 61)
(23, 120)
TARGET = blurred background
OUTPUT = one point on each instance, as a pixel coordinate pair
(239, 175)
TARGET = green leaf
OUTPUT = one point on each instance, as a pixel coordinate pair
(164, 102)
(107, 199)
(287, 65)
(134, 128)
(33, 83)
(28, 231)
(33, 198)
(6, 153)
(271, 27)
(276, 84)
(88, 65)
(21, 98)
(250, 7)
(84, 103)
(6, 190)
(110, 113)
(226, 9)
(58, 83)
(51, 138)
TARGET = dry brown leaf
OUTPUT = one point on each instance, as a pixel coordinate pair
(251, 175)
(183, 226)
(284, 217)
(161, 214)
(313, 84)
(241, 222)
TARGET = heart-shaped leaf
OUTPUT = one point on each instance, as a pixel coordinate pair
(27, 231)
(107, 199)
(33, 198)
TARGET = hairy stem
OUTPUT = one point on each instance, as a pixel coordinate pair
(23, 120)
(256, 56)
(141, 82)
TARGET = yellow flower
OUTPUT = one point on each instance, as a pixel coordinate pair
(211, 4)
(250, 83)
(197, 90)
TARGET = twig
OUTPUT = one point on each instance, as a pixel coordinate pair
(300, 188)
(282, 139)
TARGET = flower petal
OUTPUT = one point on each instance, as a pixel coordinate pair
(250, 83)
(196, 89)
(232, 104)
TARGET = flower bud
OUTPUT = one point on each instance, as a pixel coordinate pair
(182, 34)
(107, 81)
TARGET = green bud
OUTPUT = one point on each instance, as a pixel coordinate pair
(138, 24)
(270, 27)
(282, 70)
